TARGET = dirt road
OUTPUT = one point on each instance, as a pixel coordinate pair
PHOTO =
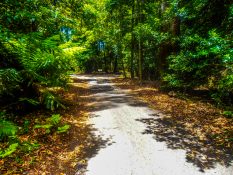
(128, 150)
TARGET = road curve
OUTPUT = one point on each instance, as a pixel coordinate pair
(129, 150)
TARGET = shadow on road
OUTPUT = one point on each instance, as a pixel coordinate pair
(82, 143)
(105, 96)
(202, 153)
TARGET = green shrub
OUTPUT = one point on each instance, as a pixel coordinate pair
(26, 124)
(10, 80)
(228, 114)
(38, 64)
(54, 119)
(7, 129)
(52, 124)
(188, 68)
(51, 101)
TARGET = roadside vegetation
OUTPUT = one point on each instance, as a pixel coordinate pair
(186, 47)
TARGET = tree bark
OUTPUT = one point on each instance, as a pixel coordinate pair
(132, 43)
(115, 69)
(140, 44)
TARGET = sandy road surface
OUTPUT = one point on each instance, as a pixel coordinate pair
(129, 150)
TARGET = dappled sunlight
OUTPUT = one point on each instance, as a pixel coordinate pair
(193, 126)
(198, 116)
(81, 79)
(200, 150)
(70, 152)
(121, 119)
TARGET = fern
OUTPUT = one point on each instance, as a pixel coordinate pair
(9, 80)
(12, 148)
(51, 101)
(29, 147)
(7, 129)
(54, 119)
(50, 123)
(31, 55)
(63, 129)
(47, 127)
(49, 44)
(30, 101)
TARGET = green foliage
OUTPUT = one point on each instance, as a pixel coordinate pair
(54, 119)
(9, 81)
(25, 147)
(188, 68)
(63, 129)
(11, 149)
(28, 147)
(31, 58)
(7, 129)
(51, 101)
(47, 127)
(30, 101)
(26, 124)
(228, 114)
(188, 45)
(52, 124)
(172, 81)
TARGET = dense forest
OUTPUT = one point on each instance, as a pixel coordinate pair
(183, 45)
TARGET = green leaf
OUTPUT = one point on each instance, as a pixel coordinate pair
(7, 129)
(54, 119)
(12, 148)
(46, 126)
(228, 114)
(63, 129)
(30, 101)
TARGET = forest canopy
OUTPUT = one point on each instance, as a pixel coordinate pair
(185, 45)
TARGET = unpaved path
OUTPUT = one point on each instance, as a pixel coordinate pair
(129, 150)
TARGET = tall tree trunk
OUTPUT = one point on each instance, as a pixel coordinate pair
(110, 61)
(132, 42)
(176, 33)
(123, 67)
(163, 49)
(176, 26)
(105, 63)
(115, 69)
(140, 44)
(140, 59)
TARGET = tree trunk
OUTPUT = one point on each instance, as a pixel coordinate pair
(105, 64)
(140, 59)
(176, 26)
(123, 67)
(132, 43)
(176, 33)
(139, 44)
(115, 69)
